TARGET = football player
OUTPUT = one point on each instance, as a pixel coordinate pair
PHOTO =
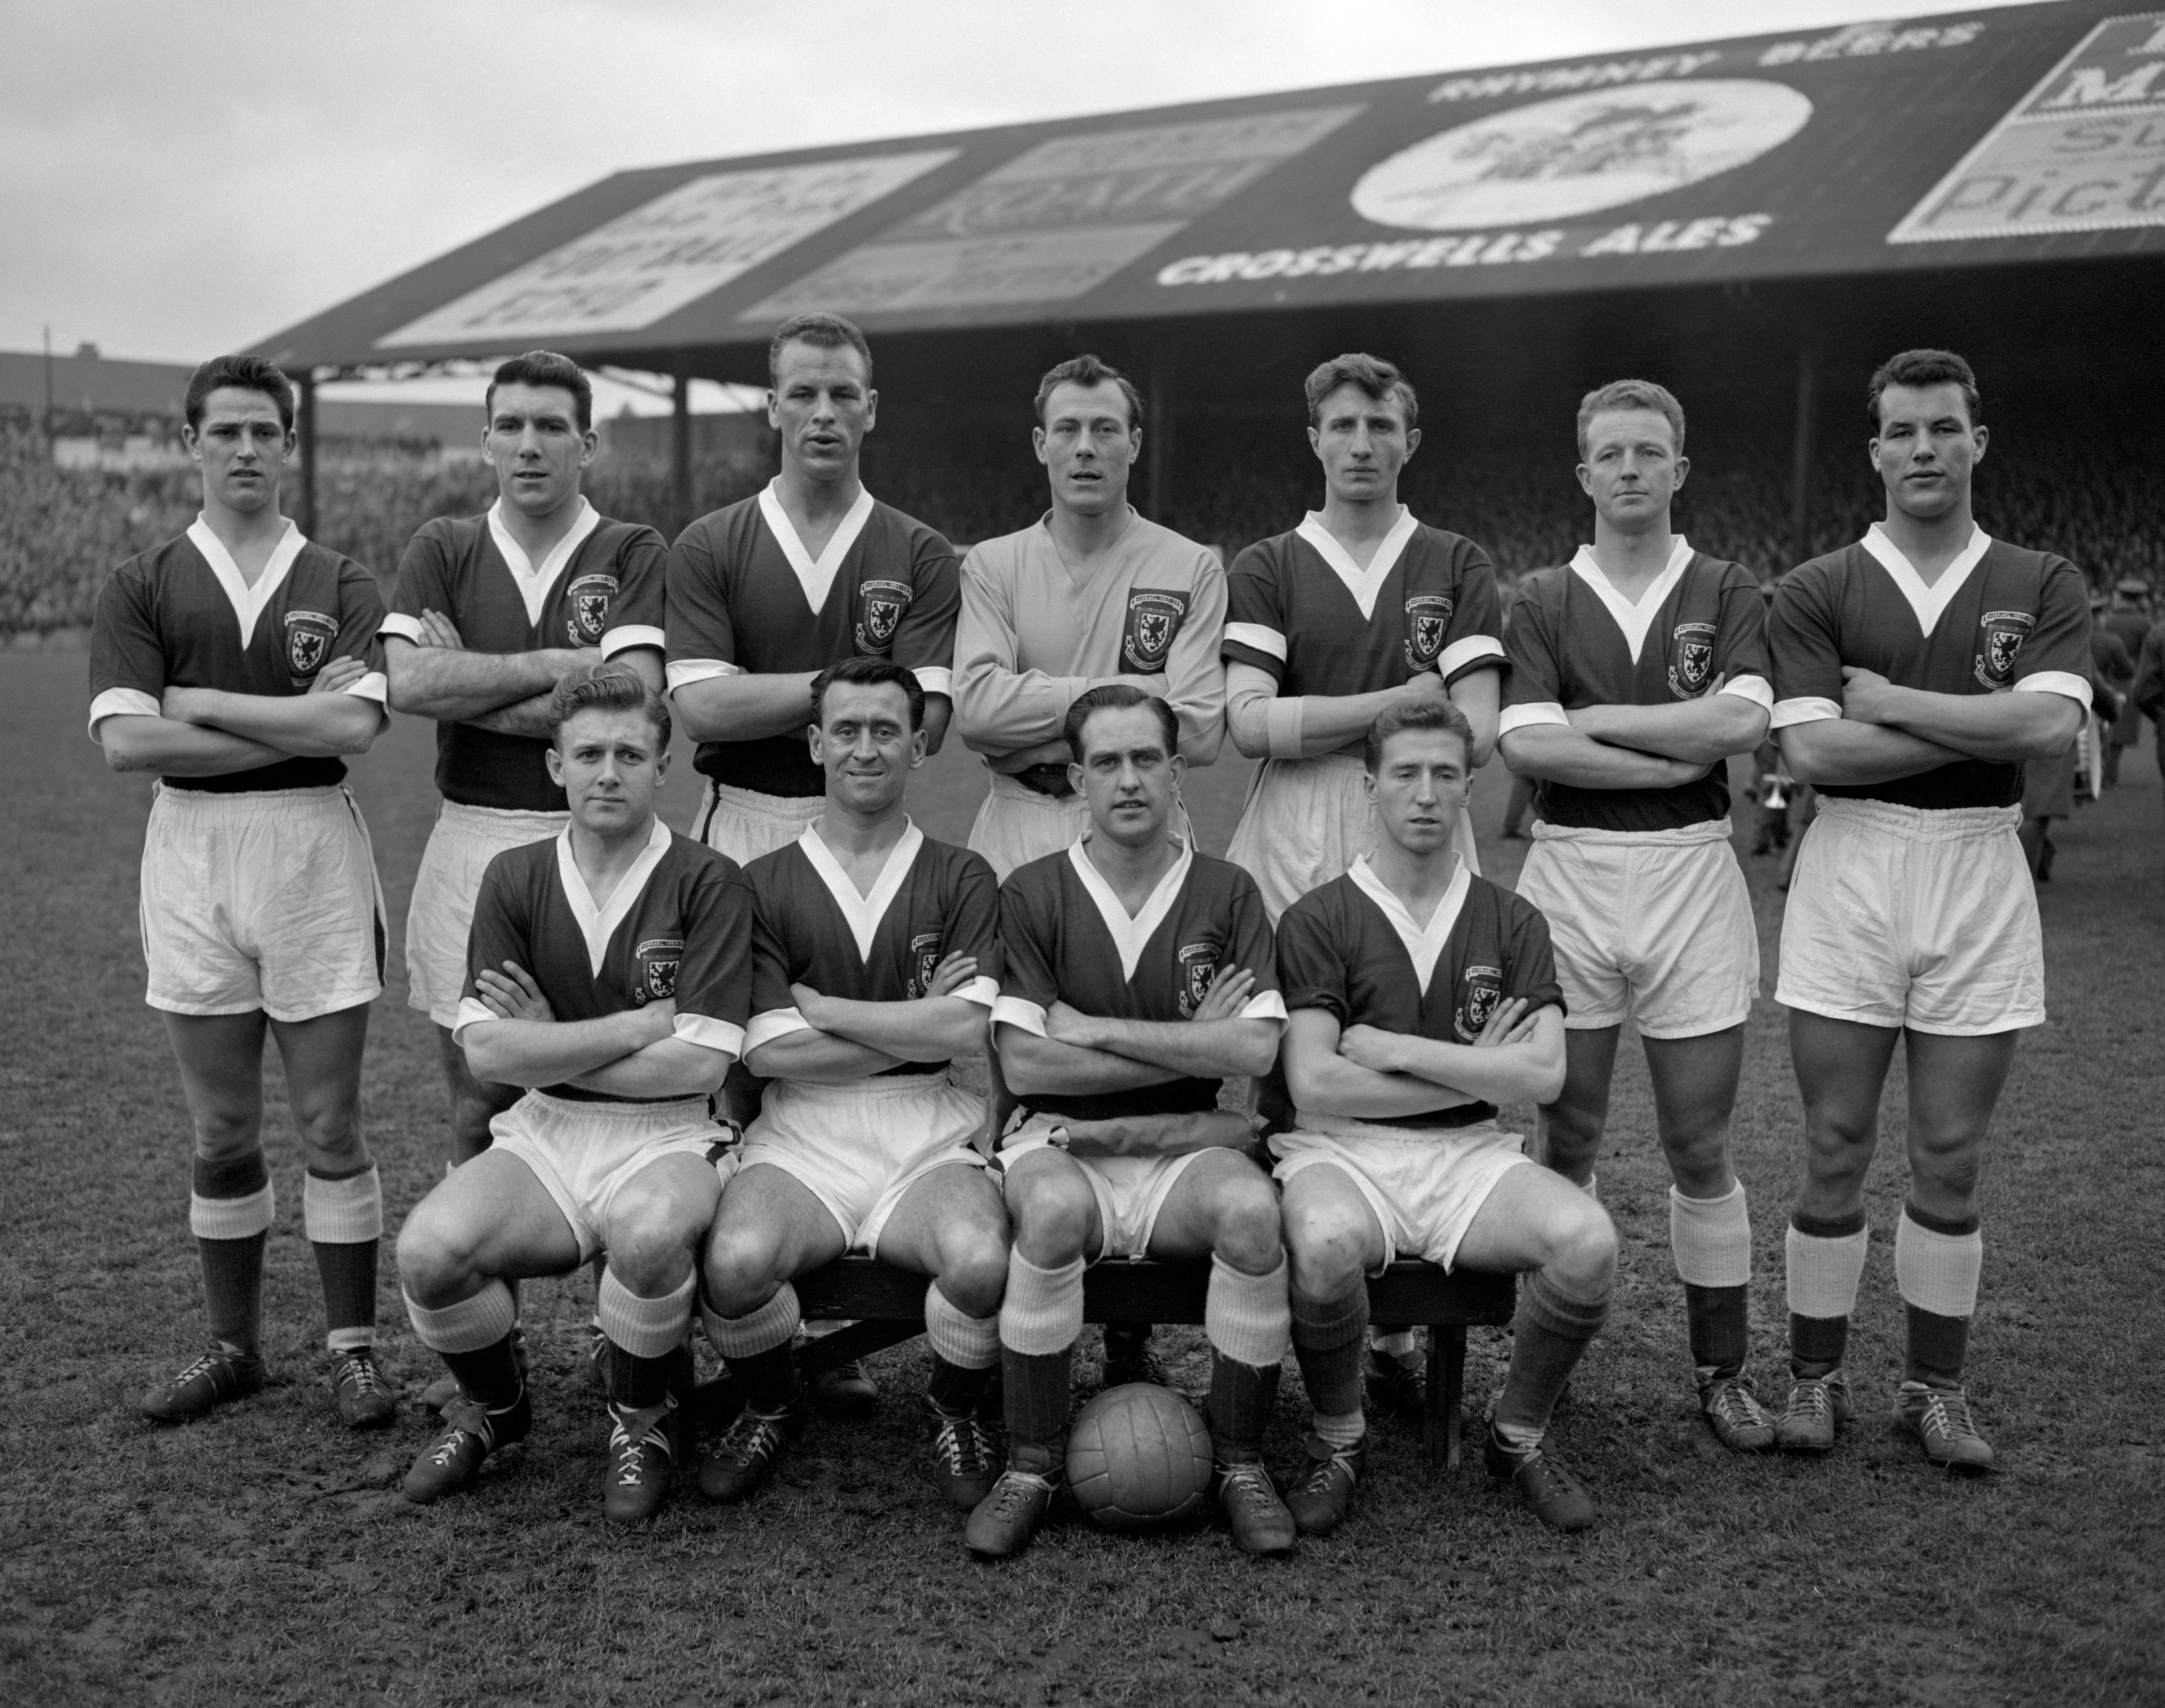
(1637, 669)
(607, 971)
(1915, 672)
(875, 962)
(1139, 973)
(236, 663)
(1422, 996)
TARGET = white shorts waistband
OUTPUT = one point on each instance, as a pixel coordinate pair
(1923, 824)
(674, 1108)
(1342, 1126)
(1682, 837)
(502, 821)
(212, 808)
(774, 809)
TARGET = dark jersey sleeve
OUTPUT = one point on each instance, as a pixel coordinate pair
(1311, 968)
(642, 592)
(1801, 641)
(2061, 641)
(502, 929)
(1255, 613)
(925, 638)
(423, 583)
(125, 651)
(1536, 676)
(1477, 615)
(770, 949)
(973, 924)
(1529, 961)
(1740, 640)
(1025, 945)
(1250, 941)
(698, 622)
(714, 978)
(360, 615)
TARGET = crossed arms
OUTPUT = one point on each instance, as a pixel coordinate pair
(434, 676)
(1886, 731)
(633, 1054)
(208, 732)
(1366, 1073)
(844, 1039)
(1265, 723)
(1626, 746)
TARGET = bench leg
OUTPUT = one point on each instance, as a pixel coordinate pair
(1445, 1395)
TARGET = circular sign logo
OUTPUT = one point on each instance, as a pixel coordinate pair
(1554, 159)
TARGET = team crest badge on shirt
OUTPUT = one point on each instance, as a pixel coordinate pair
(658, 960)
(589, 597)
(1428, 616)
(1691, 659)
(1198, 966)
(309, 638)
(880, 605)
(1480, 989)
(2001, 644)
(1153, 620)
(923, 962)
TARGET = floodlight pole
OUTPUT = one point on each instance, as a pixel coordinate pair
(1801, 451)
(306, 422)
(1157, 439)
(680, 448)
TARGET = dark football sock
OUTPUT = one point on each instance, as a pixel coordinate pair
(489, 1376)
(1938, 1347)
(1720, 1322)
(232, 1269)
(636, 1383)
(1331, 1343)
(769, 1379)
(1241, 1396)
(1037, 1387)
(1549, 1337)
(954, 1389)
(1816, 1345)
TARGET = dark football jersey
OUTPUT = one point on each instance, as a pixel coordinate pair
(813, 927)
(1576, 640)
(181, 616)
(678, 924)
(1066, 937)
(1350, 946)
(1299, 608)
(745, 595)
(602, 587)
(1998, 619)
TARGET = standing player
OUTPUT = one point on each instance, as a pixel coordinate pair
(875, 962)
(489, 613)
(1915, 674)
(1359, 608)
(606, 972)
(1637, 669)
(1090, 595)
(1139, 974)
(234, 661)
(1422, 996)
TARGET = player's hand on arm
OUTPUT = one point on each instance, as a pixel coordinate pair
(1324, 1081)
(1212, 1043)
(1703, 732)
(1158, 1135)
(438, 630)
(1560, 753)
(2005, 728)
(1519, 1055)
(930, 1028)
(550, 1053)
(670, 1066)
(1846, 750)
(437, 676)
(320, 724)
(512, 995)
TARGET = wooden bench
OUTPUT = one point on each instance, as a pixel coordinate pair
(885, 1306)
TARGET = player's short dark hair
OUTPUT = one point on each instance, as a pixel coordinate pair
(1088, 370)
(870, 672)
(544, 367)
(611, 687)
(1114, 696)
(1926, 367)
(245, 373)
(821, 331)
(1418, 714)
(1632, 394)
(1379, 379)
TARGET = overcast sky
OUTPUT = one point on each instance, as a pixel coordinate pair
(181, 177)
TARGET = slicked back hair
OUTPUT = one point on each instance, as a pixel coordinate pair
(1376, 377)
(1418, 714)
(1088, 370)
(1112, 697)
(614, 687)
(822, 331)
(243, 373)
(1924, 367)
(544, 367)
(869, 672)
(1631, 394)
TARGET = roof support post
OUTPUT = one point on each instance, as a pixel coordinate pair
(1157, 443)
(1801, 451)
(306, 422)
(680, 449)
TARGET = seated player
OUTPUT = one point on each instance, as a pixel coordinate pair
(1139, 974)
(606, 971)
(875, 962)
(1420, 997)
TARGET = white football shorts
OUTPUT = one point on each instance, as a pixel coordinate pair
(1654, 926)
(584, 1153)
(1130, 1190)
(1307, 820)
(440, 915)
(859, 1148)
(1899, 916)
(744, 824)
(1425, 1186)
(265, 900)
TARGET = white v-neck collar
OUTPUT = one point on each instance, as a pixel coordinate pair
(534, 582)
(1130, 936)
(1364, 584)
(598, 924)
(814, 576)
(863, 913)
(248, 601)
(1423, 947)
(1928, 603)
(1634, 620)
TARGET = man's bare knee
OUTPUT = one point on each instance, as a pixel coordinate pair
(973, 1268)
(1582, 1248)
(435, 1255)
(740, 1268)
(1247, 1233)
(1051, 1214)
(1326, 1244)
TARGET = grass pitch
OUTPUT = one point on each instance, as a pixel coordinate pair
(264, 1556)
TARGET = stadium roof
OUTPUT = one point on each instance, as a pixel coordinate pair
(2035, 133)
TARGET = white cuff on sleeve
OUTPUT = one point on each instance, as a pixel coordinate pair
(1463, 655)
(123, 703)
(1755, 688)
(711, 1034)
(1809, 709)
(982, 991)
(1013, 1011)
(374, 686)
(1257, 638)
(683, 672)
(1264, 1005)
(1533, 712)
(404, 627)
(473, 1011)
(2058, 681)
(935, 678)
(630, 635)
(774, 1023)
